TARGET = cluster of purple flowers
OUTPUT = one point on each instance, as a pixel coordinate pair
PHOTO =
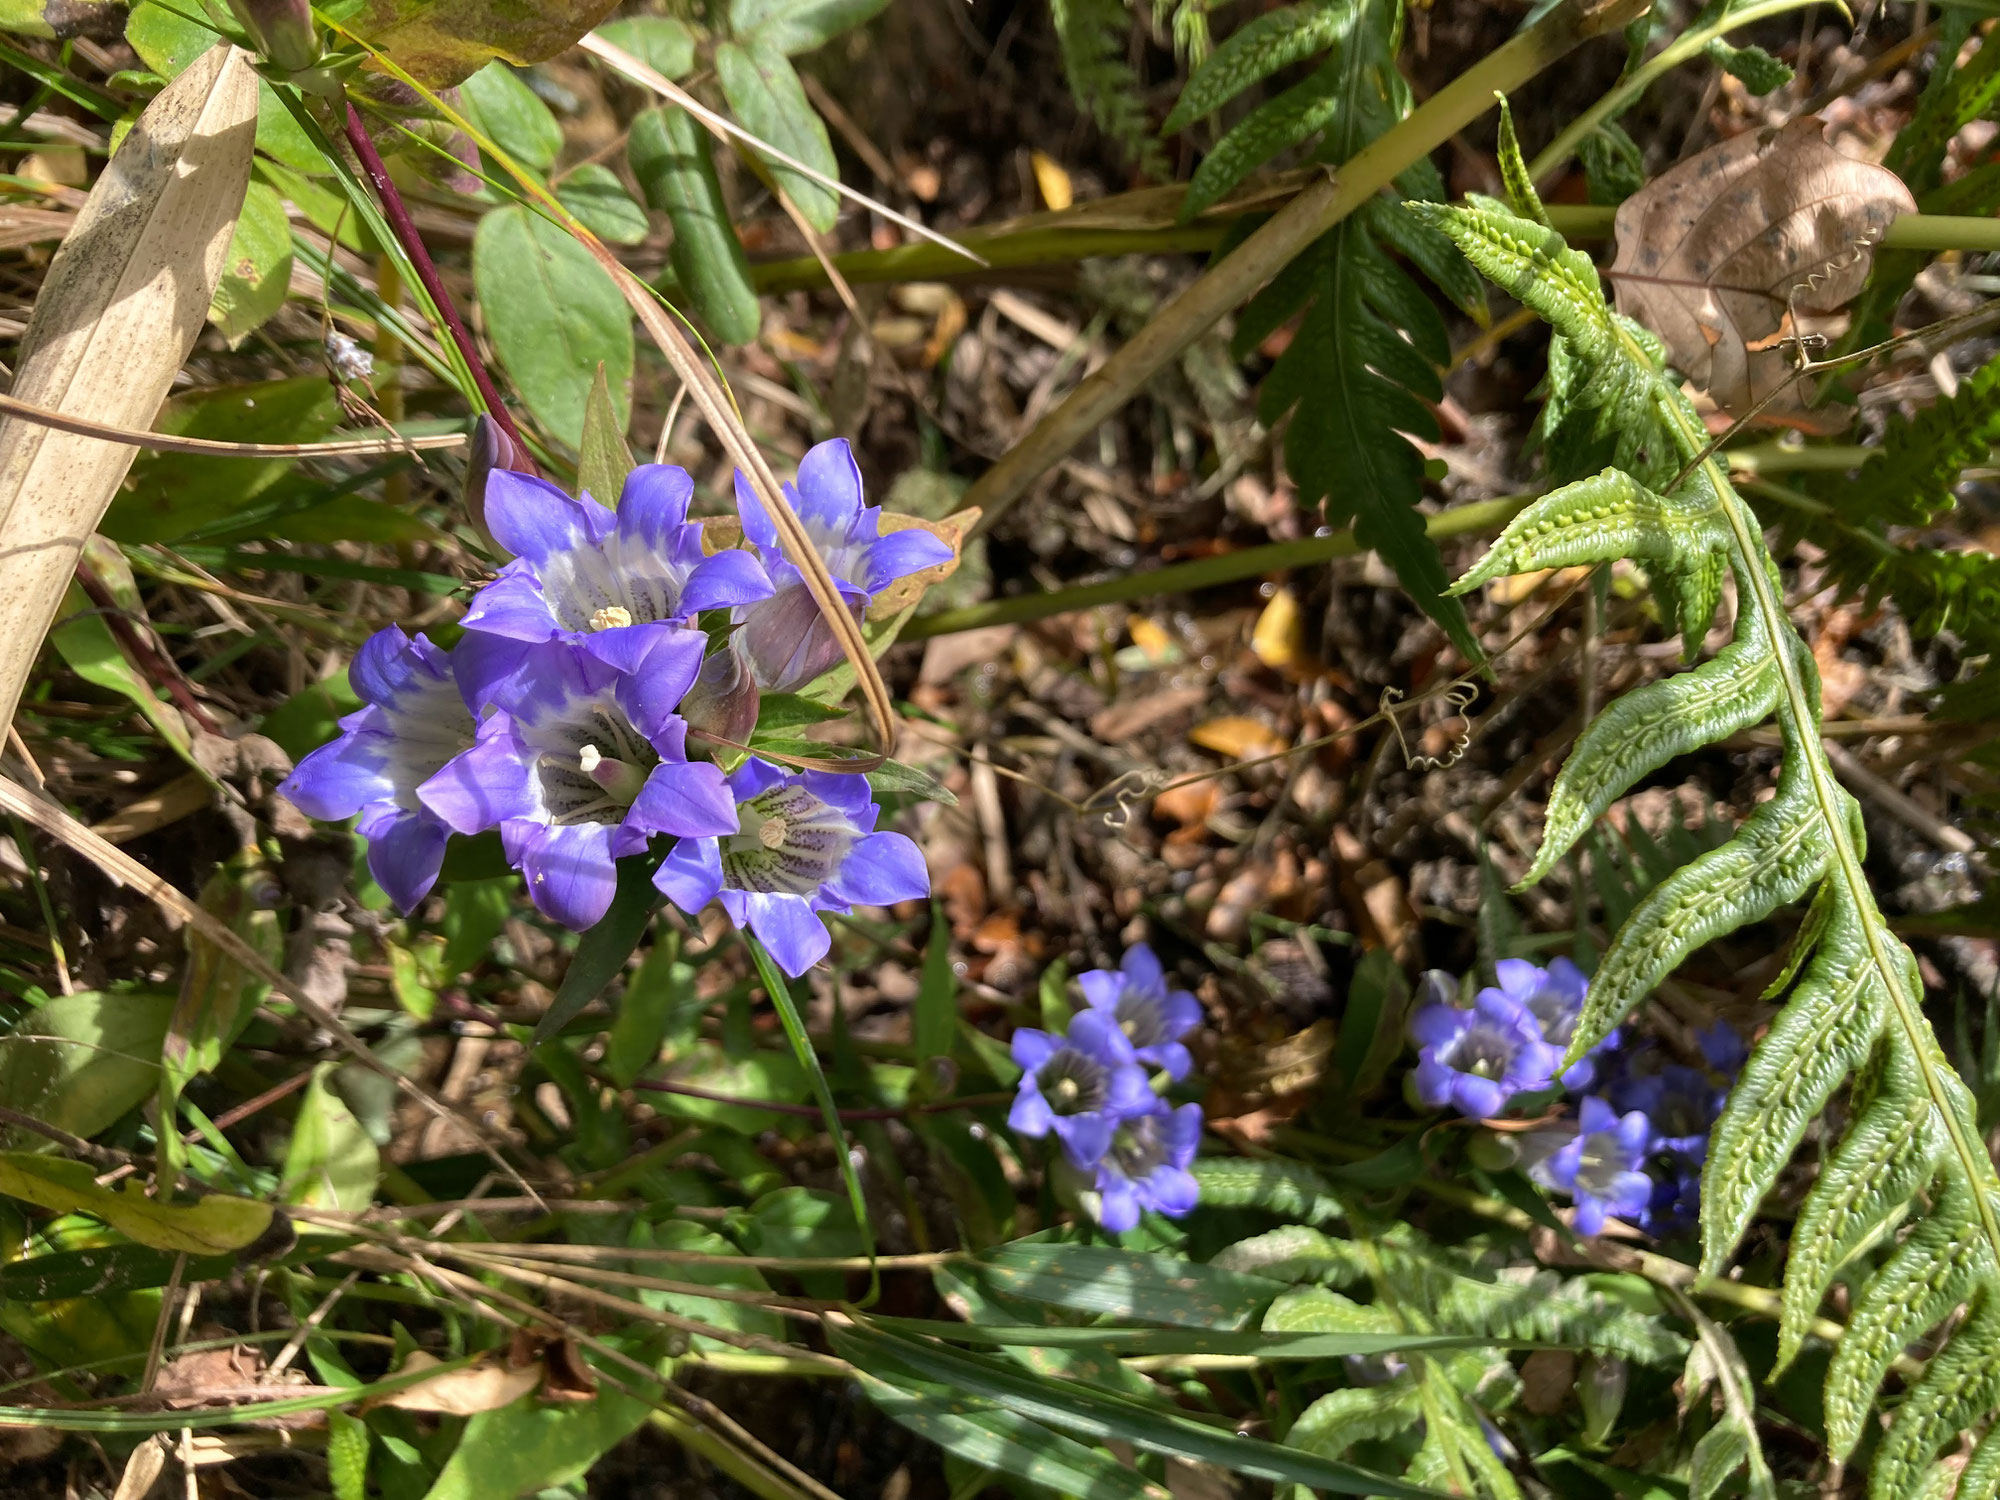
(1091, 1090)
(563, 716)
(1632, 1147)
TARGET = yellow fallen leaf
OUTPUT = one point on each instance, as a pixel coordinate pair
(1279, 639)
(1238, 737)
(1053, 181)
(1152, 640)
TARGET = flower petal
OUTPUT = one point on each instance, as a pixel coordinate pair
(1173, 1190)
(653, 506)
(1085, 1137)
(484, 786)
(729, 578)
(405, 855)
(690, 875)
(337, 780)
(687, 799)
(880, 870)
(829, 486)
(513, 605)
(1096, 1034)
(1031, 1048)
(789, 928)
(757, 525)
(1118, 1204)
(570, 873)
(1030, 1114)
(1101, 988)
(531, 517)
(898, 555)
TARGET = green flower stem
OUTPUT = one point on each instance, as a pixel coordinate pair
(1234, 279)
(1205, 573)
(1688, 45)
(1051, 244)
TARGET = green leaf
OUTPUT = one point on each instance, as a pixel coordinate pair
(775, 1077)
(1149, 1288)
(795, 26)
(510, 114)
(934, 1019)
(780, 995)
(101, 1271)
(213, 1225)
(257, 268)
(347, 1456)
(664, 44)
(1278, 124)
(80, 1062)
(1340, 1419)
(1101, 1417)
(171, 495)
(331, 1162)
(594, 194)
(670, 157)
(310, 717)
(475, 911)
(897, 779)
(1756, 69)
(685, 1238)
(765, 95)
(529, 1447)
(603, 460)
(661, 1001)
(602, 954)
(993, 1437)
(441, 42)
(553, 315)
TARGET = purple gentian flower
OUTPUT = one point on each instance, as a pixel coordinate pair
(785, 638)
(1680, 1102)
(1723, 1047)
(1153, 1017)
(1477, 1059)
(1600, 1169)
(798, 844)
(588, 575)
(413, 721)
(1079, 1086)
(1554, 997)
(1675, 1205)
(582, 762)
(1146, 1166)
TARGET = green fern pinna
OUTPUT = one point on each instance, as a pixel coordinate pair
(1853, 1011)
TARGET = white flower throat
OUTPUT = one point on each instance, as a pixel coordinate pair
(593, 765)
(787, 841)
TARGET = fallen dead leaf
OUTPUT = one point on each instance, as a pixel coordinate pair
(1238, 737)
(1717, 253)
(1279, 639)
(485, 1386)
(1547, 1378)
(1188, 806)
(1056, 189)
(906, 591)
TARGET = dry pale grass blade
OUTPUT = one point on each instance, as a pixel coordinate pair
(125, 297)
(1716, 255)
(714, 403)
(125, 870)
(622, 62)
(164, 442)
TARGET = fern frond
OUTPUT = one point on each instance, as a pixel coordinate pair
(1296, 115)
(1093, 37)
(1357, 1414)
(1363, 367)
(1859, 996)
(1256, 51)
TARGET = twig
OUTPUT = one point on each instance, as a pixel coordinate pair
(413, 246)
(166, 442)
(157, 668)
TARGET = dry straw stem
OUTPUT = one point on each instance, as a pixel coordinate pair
(1308, 216)
(165, 442)
(127, 871)
(125, 297)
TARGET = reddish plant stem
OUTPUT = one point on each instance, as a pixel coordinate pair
(159, 669)
(427, 273)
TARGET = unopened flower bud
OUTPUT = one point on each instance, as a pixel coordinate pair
(283, 30)
(1600, 1388)
(490, 449)
(1492, 1152)
(722, 703)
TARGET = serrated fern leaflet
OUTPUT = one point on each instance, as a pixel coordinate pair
(1361, 371)
(1853, 1013)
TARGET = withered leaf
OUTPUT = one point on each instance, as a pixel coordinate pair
(487, 1385)
(1715, 254)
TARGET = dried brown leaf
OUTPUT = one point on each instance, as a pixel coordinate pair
(486, 1386)
(125, 297)
(1717, 253)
